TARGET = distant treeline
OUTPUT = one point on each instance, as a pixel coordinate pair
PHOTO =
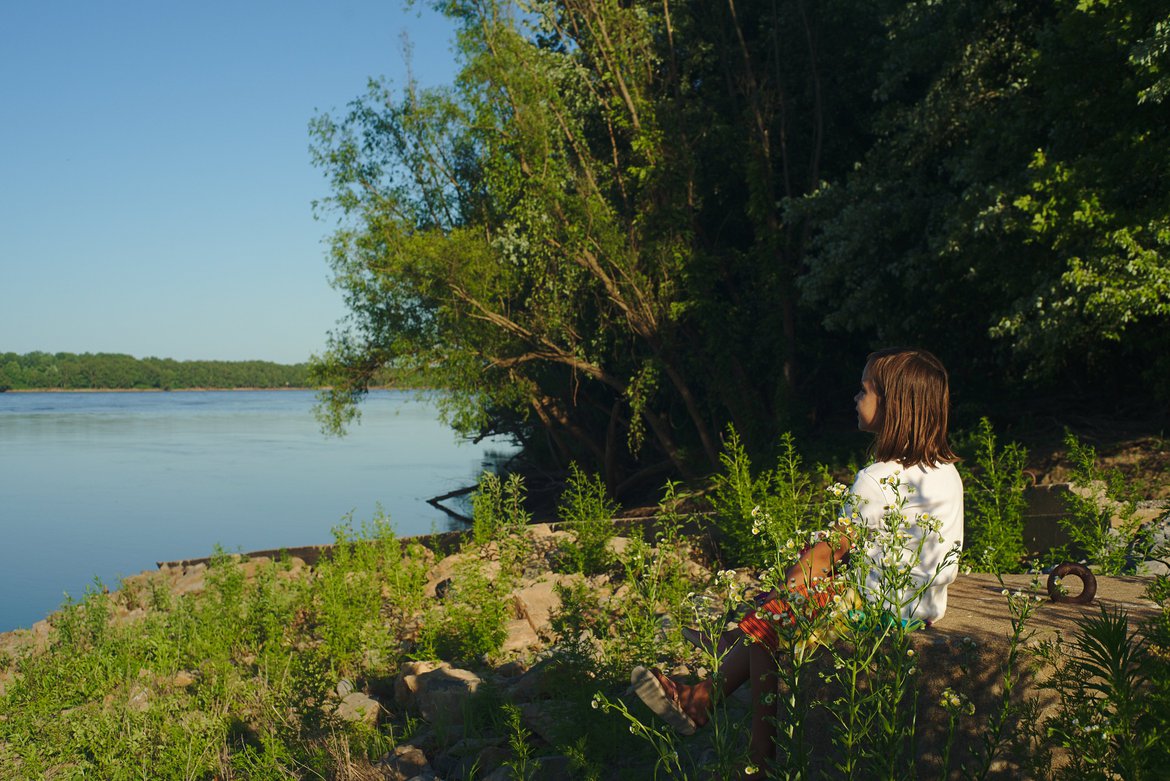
(66, 371)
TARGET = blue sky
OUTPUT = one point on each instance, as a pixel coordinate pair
(155, 179)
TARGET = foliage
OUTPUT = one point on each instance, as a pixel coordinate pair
(583, 239)
(109, 371)
(241, 678)
(1103, 717)
(588, 512)
(994, 503)
(758, 514)
(368, 576)
(1102, 519)
(498, 516)
(471, 622)
(1011, 144)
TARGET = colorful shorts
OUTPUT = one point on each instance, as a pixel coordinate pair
(761, 624)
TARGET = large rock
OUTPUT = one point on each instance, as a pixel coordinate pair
(538, 599)
(359, 707)
(405, 762)
(437, 690)
(446, 568)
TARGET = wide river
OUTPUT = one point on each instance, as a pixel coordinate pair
(101, 485)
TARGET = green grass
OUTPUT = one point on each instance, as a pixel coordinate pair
(238, 680)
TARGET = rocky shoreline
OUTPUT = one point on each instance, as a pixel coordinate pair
(437, 692)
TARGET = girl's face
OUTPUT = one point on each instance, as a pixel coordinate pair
(868, 407)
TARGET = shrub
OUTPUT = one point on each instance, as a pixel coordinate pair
(587, 511)
(995, 503)
(1103, 496)
(785, 495)
(498, 516)
(472, 622)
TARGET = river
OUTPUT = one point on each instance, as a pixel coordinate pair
(102, 485)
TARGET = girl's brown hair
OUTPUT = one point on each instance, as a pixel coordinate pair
(914, 400)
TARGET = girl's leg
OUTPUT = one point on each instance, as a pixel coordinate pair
(765, 682)
(741, 663)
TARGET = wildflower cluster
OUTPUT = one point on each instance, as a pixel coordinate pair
(956, 703)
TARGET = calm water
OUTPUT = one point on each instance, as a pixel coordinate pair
(106, 484)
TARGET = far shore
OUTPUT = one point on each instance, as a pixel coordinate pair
(151, 390)
(196, 390)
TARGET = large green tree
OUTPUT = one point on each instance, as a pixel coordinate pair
(584, 240)
(1014, 207)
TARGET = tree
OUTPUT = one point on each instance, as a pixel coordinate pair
(585, 242)
(1014, 205)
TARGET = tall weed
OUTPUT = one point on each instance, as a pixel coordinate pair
(1103, 719)
(499, 516)
(471, 622)
(995, 503)
(587, 511)
(786, 495)
(1102, 519)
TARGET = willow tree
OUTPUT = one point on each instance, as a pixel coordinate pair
(544, 240)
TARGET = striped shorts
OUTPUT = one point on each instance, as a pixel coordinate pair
(760, 624)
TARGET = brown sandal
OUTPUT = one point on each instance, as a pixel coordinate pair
(661, 696)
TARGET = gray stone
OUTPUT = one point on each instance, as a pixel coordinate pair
(438, 692)
(405, 762)
(1153, 568)
(359, 707)
(549, 720)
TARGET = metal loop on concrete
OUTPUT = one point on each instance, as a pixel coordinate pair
(1059, 594)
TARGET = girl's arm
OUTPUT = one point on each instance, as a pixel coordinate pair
(818, 561)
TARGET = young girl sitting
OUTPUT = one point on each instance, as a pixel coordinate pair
(903, 401)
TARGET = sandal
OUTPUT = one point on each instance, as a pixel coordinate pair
(661, 696)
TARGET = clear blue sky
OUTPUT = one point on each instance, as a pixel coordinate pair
(155, 181)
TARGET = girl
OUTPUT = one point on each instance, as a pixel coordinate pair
(903, 402)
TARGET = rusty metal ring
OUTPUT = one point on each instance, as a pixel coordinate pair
(1088, 582)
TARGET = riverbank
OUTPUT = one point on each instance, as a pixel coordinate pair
(393, 658)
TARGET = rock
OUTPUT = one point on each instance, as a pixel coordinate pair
(491, 758)
(405, 762)
(512, 669)
(407, 683)
(539, 599)
(501, 773)
(549, 720)
(1153, 568)
(438, 692)
(464, 757)
(552, 768)
(139, 699)
(521, 636)
(343, 687)
(192, 581)
(359, 707)
(447, 567)
(618, 545)
(528, 686)
(183, 679)
(123, 616)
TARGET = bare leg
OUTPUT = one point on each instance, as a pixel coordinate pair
(741, 663)
(765, 680)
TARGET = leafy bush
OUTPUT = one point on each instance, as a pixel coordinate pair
(1103, 497)
(498, 516)
(588, 512)
(348, 593)
(786, 496)
(995, 503)
(1104, 718)
(472, 622)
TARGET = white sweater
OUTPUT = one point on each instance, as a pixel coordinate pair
(937, 491)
